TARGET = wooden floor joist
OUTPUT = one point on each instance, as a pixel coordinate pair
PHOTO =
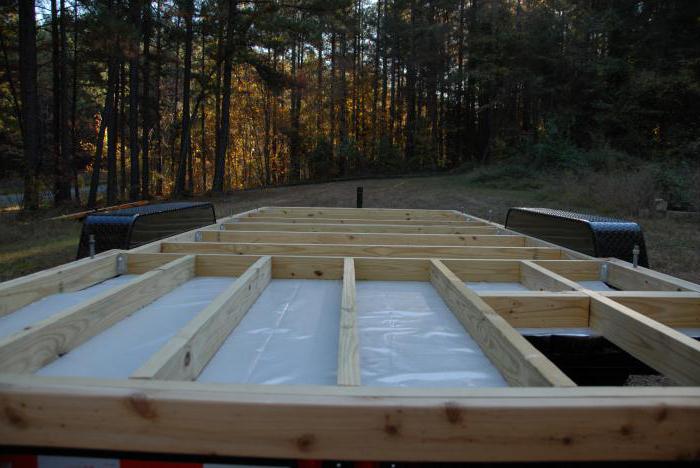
(519, 362)
(73, 276)
(519, 282)
(263, 237)
(344, 250)
(348, 341)
(362, 228)
(34, 347)
(185, 355)
(376, 221)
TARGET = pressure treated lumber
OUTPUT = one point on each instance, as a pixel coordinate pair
(534, 309)
(368, 228)
(362, 238)
(674, 309)
(517, 360)
(348, 341)
(509, 424)
(663, 348)
(186, 354)
(347, 250)
(622, 275)
(350, 213)
(370, 221)
(19, 292)
(574, 270)
(538, 278)
(36, 346)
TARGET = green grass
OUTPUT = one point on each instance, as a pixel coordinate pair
(30, 246)
(673, 247)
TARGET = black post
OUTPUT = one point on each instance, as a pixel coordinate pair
(359, 197)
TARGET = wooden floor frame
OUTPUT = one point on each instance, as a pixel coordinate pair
(542, 416)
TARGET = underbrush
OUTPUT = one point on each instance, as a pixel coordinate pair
(604, 181)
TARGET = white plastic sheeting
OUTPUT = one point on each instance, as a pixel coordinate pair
(409, 338)
(50, 305)
(289, 336)
(596, 285)
(495, 286)
(121, 349)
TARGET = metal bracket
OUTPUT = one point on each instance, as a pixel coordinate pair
(198, 236)
(635, 256)
(604, 272)
(222, 227)
(91, 244)
(121, 264)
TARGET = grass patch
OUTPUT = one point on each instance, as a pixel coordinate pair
(673, 246)
(34, 245)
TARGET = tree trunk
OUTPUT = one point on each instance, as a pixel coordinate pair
(203, 142)
(108, 109)
(146, 109)
(121, 119)
(410, 130)
(61, 192)
(135, 179)
(112, 135)
(74, 108)
(30, 101)
(158, 128)
(333, 97)
(222, 141)
(188, 12)
(295, 97)
(376, 75)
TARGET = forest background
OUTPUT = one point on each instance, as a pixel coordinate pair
(109, 100)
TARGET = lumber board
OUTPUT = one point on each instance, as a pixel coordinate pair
(186, 354)
(366, 221)
(360, 213)
(574, 270)
(517, 360)
(348, 250)
(491, 270)
(659, 346)
(348, 340)
(19, 292)
(362, 238)
(509, 424)
(623, 276)
(540, 309)
(538, 278)
(323, 267)
(368, 228)
(36, 346)
(674, 309)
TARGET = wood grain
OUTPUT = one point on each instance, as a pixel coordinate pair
(517, 360)
(345, 250)
(279, 237)
(348, 340)
(36, 346)
(19, 292)
(459, 425)
(186, 354)
(368, 228)
(663, 348)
